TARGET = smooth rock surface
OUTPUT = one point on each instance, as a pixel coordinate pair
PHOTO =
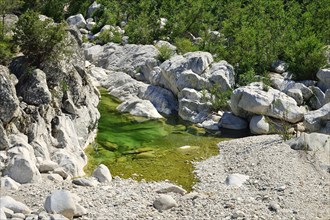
(230, 121)
(315, 120)
(10, 203)
(102, 174)
(60, 202)
(9, 183)
(259, 125)
(253, 99)
(164, 202)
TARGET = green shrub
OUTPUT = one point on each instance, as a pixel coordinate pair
(219, 99)
(184, 45)
(165, 53)
(306, 57)
(5, 52)
(109, 36)
(247, 78)
(39, 40)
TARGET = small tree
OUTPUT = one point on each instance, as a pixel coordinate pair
(39, 40)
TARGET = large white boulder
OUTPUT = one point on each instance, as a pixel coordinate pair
(22, 164)
(77, 20)
(315, 120)
(192, 107)
(124, 87)
(172, 69)
(10, 203)
(92, 8)
(61, 202)
(139, 107)
(259, 125)
(230, 121)
(254, 99)
(102, 174)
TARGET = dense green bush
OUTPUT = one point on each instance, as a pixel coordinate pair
(39, 40)
(253, 33)
(184, 45)
(165, 53)
(305, 57)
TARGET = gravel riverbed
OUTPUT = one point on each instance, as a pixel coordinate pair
(282, 184)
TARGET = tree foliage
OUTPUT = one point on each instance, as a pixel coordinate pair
(39, 40)
(252, 33)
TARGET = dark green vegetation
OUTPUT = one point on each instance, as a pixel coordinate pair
(147, 149)
(253, 33)
(39, 40)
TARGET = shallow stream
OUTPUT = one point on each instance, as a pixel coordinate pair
(154, 150)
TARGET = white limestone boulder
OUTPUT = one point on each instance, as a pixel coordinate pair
(254, 99)
(77, 20)
(102, 173)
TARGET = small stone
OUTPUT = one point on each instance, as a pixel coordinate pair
(164, 202)
(238, 214)
(85, 182)
(60, 171)
(236, 179)
(273, 206)
(281, 188)
(80, 211)
(175, 189)
(9, 183)
(55, 177)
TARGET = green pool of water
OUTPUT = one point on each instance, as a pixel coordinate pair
(133, 147)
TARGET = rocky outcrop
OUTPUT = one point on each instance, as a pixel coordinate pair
(49, 118)
(195, 70)
(192, 106)
(323, 76)
(230, 121)
(165, 86)
(315, 120)
(32, 87)
(296, 90)
(124, 87)
(9, 102)
(253, 99)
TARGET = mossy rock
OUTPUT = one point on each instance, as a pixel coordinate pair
(145, 155)
(109, 146)
(194, 130)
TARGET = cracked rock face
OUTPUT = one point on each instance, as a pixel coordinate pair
(49, 118)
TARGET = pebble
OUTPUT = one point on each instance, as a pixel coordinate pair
(273, 206)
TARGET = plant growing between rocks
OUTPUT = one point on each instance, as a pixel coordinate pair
(165, 53)
(39, 40)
